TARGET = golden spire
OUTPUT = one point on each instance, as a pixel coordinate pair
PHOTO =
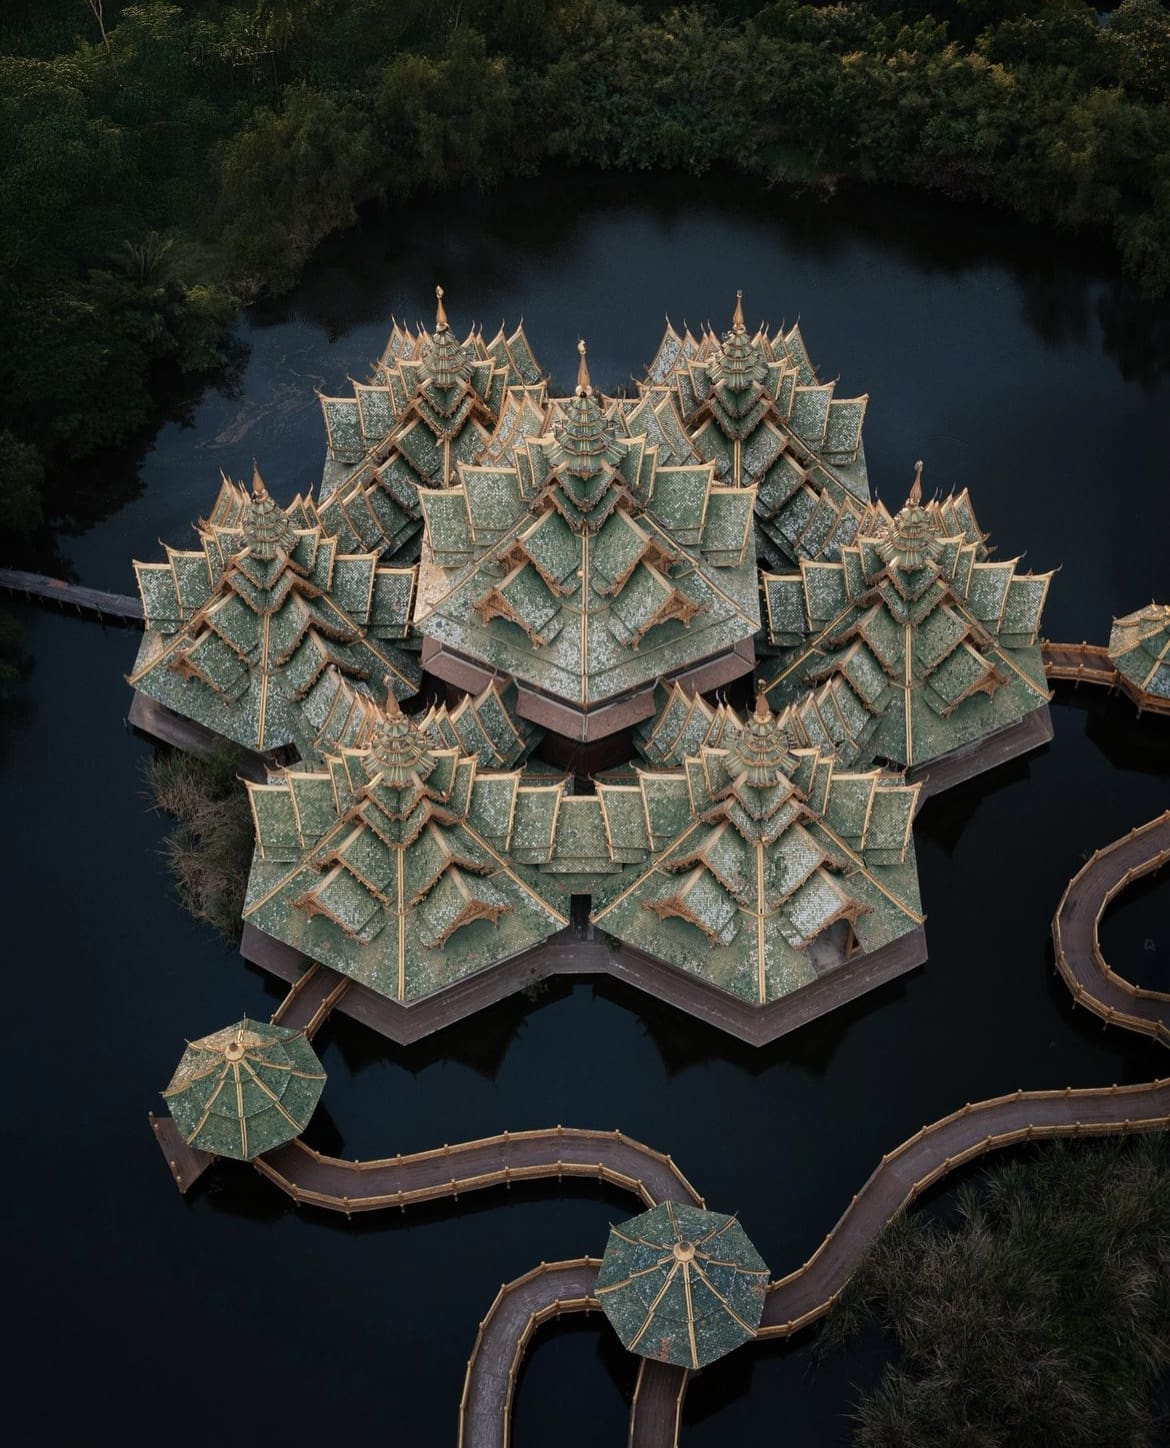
(584, 386)
(737, 324)
(259, 491)
(915, 498)
(763, 713)
(440, 311)
(393, 711)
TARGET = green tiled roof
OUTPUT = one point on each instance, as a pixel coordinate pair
(240, 631)
(245, 1090)
(753, 406)
(913, 644)
(766, 863)
(1139, 646)
(403, 860)
(432, 404)
(681, 1285)
(586, 569)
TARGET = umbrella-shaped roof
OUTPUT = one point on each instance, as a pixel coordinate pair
(681, 1285)
(245, 1090)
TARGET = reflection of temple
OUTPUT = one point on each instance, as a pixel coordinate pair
(570, 576)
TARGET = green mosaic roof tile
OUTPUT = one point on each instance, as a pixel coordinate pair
(1139, 647)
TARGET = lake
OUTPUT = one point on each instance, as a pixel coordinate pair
(1015, 364)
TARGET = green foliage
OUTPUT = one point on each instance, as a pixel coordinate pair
(1041, 1316)
(198, 153)
(21, 474)
(210, 849)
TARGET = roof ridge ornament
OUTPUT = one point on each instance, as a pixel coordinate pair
(584, 384)
(914, 497)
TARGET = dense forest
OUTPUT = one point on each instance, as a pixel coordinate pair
(162, 164)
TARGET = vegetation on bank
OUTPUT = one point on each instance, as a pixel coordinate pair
(209, 851)
(1039, 1315)
(163, 162)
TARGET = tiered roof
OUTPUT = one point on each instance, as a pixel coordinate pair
(584, 567)
(401, 863)
(767, 865)
(240, 630)
(753, 405)
(1139, 647)
(432, 403)
(914, 643)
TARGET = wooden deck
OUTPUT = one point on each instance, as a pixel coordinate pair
(116, 608)
(1081, 663)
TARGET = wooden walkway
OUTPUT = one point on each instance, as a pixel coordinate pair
(116, 608)
(1082, 663)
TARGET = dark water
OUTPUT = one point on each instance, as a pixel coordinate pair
(1019, 369)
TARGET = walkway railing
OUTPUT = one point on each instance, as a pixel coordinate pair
(89, 602)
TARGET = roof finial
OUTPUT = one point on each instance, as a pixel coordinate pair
(440, 311)
(259, 491)
(763, 713)
(584, 386)
(393, 711)
(915, 498)
(737, 324)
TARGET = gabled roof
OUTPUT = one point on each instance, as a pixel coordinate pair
(398, 860)
(768, 863)
(754, 407)
(585, 568)
(914, 644)
(1139, 646)
(432, 403)
(240, 630)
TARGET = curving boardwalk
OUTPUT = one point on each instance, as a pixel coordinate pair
(449, 1171)
(810, 1291)
(794, 1301)
(1078, 919)
(1080, 663)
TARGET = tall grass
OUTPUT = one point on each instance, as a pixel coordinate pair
(209, 851)
(1039, 1316)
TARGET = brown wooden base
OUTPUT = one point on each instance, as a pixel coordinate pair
(582, 952)
(1030, 733)
(150, 717)
(187, 1163)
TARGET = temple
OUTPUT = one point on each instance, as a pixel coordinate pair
(240, 630)
(432, 403)
(754, 407)
(914, 648)
(1139, 649)
(587, 590)
(585, 569)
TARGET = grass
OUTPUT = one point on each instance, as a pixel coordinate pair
(1038, 1316)
(209, 851)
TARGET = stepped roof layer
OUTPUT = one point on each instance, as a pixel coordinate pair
(583, 567)
(768, 864)
(914, 644)
(1139, 646)
(432, 403)
(240, 630)
(753, 405)
(402, 864)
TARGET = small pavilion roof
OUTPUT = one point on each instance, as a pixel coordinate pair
(1139, 646)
